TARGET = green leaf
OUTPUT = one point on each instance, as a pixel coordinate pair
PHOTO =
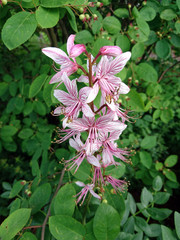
(3, 88)
(146, 159)
(65, 227)
(47, 92)
(168, 14)
(47, 17)
(147, 72)
(110, 226)
(112, 25)
(178, 3)
(28, 108)
(142, 224)
(72, 19)
(28, 236)
(135, 12)
(15, 205)
(143, 26)
(157, 183)
(131, 203)
(177, 223)
(171, 161)
(159, 214)
(151, 39)
(89, 231)
(53, 3)
(84, 37)
(147, 13)
(40, 197)
(156, 114)
(64, 202)
(167, 233)
(170, 174)
(135, 101)
(116, 171)
(149, 142)
(158, 166)
(121, 13)
(83, 171)
(8, 131)
(137, 50)
(129, 225)
(39, 108)
(37, 85)
(18, 29)
(16, 189)
(177, 26)
(146, 197)
(163, 49)
(123, 42)
(175, 40)
(115, 200)
(161, 197)
(25, 133)
(14, 223)
(62, 153)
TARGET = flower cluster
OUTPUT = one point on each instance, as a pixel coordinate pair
(104, 123)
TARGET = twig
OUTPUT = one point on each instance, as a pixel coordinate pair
(104, 105)
(49, 210)
(162, 75)
(36, 226)
(64, 30)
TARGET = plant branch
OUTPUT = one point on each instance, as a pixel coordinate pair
(104, 105)
(36, 226)
(49, 210)
(162, 75)
(64, 30)
(84, 71)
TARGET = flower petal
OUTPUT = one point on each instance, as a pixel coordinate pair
(56, 54)
(93, 160)
(81, 184)
(94, 194)
(64, 97)
(93, 93)
(70, 42)
(87, 110)
(76, 50)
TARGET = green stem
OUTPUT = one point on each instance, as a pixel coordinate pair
(140, 211)
(85, 210)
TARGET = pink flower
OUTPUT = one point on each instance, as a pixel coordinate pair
(60, 57)
(95, 128)
(110, 149)
(87, 188)
(113, 51)
(118, 185)
(71, 100)
(105, 78)
(98, 177)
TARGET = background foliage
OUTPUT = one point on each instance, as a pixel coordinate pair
(30, 169)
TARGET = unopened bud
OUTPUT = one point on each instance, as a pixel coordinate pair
(105, 201)
(81, 10)
(169, 37)
(144, 3)
(129, 5)
(119, 101)
(127, 98)
(95, 16)
(82, 17)
(4, 2)
(91, 4)
(136, 28)
(137, 35)
(136, 82)
(99, 4)
(23, 182)
(87, 16)
(113, 191)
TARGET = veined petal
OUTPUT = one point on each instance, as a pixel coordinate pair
(118, 63)
(76, 50)
(70, 42)
(87, 110)
(93, 160)
(64, 97)
(79, 125)
(110, 51)
(124, 89)
(56, 54)
(81, 184)
(94, 194)
(83, 78)
(70, 85)
(57, 78)
(74, 144)
(93, 93)
(58, 111)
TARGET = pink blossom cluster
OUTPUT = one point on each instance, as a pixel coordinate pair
(104, 123)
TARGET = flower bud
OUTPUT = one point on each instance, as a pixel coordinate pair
(144, 3)
(76, 50)
(136, 82)
(91, 4)
(95, 16)
(113, 51)
(82, 17)
(23, 182)
(129, 5)
(99, 4)
(87, 16)
(81, 10)
(4, 2)
(105, 201)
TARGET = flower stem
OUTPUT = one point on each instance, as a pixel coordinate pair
(90, 79)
